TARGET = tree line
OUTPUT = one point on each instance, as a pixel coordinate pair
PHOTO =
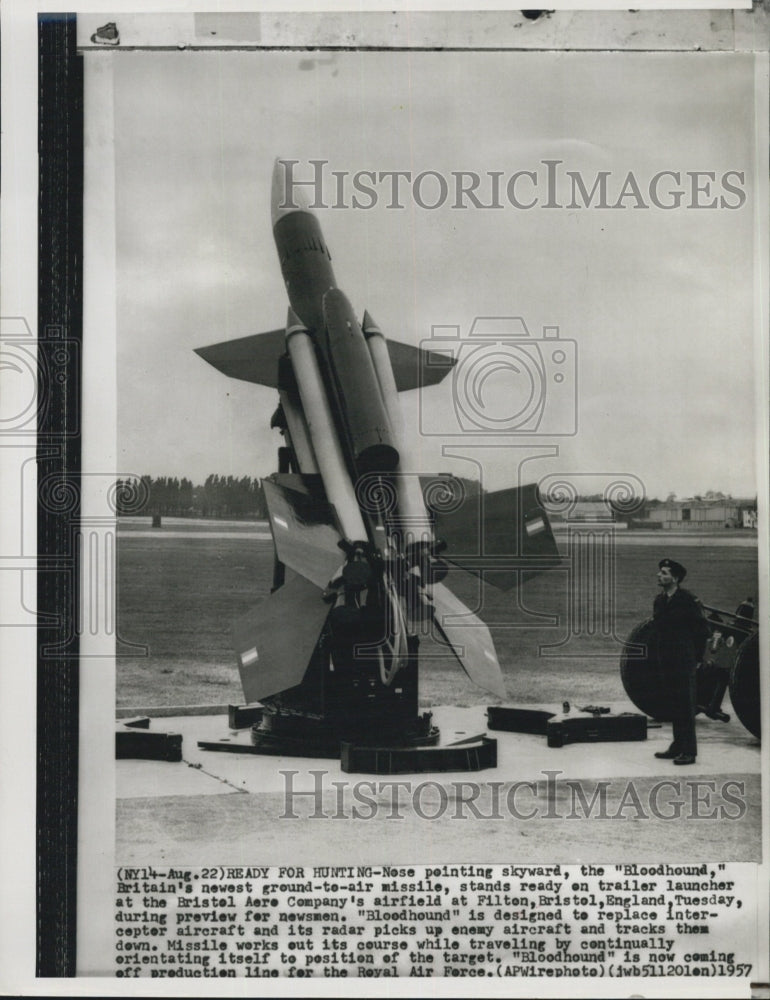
(233, 497)
(218, 497)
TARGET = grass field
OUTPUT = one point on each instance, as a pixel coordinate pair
(557, 637)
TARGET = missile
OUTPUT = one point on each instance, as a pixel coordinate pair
(347, 514)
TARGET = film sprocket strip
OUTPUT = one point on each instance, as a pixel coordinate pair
(60, 317)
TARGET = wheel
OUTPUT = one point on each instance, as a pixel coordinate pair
(642, 677)
(744, 685)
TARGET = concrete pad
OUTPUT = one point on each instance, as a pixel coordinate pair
(157, 778)
(723, 748)
(253, 829)
(171, 813)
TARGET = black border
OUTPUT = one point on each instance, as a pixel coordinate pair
(60, 330)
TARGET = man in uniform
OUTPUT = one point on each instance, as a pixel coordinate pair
(681, 632)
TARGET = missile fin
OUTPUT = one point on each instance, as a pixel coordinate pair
(414, 368)
(268, 663)
(251, 359)
(469, 639)
(504, 535)
(254, 358)
(305, 531)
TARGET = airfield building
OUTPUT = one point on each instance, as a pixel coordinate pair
(697, 514)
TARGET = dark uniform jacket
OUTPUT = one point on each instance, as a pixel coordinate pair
(681, 630)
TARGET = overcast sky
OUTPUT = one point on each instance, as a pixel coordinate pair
(659, 303)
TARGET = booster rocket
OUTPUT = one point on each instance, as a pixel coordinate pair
(346, 509)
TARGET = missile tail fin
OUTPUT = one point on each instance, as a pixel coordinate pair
(267, 663)
(469, 639)
(304, 527)
(504, 535)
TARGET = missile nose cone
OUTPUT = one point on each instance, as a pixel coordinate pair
(287, 194)
(369, 326)
(294, 324)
